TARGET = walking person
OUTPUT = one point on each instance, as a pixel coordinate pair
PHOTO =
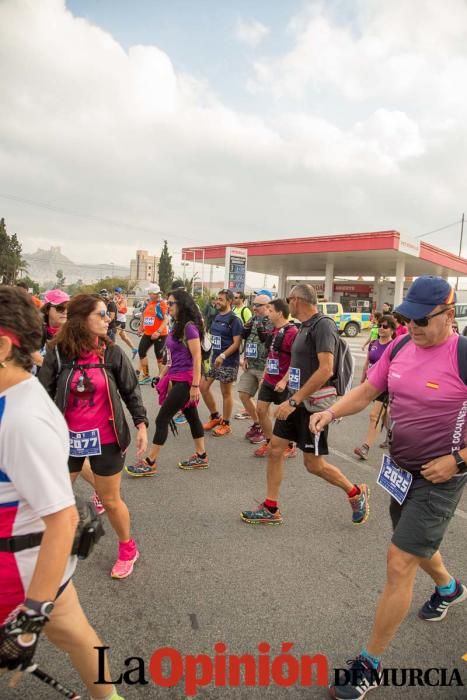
(256, 334)
(378, 415)
(122, 310)
(54, 311)
(38, 517)
(240, 308)
(425, 374)
(111, 312)
(88, 376)
(273, 388)
(179, 385)
(153, 330)
(226, 333)
(311, 374)
(374, 333)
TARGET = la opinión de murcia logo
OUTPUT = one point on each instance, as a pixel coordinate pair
(168, 668)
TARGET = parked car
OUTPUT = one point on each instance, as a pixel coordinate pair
(349, 323)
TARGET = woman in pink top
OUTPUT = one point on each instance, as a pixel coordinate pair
(401, 327)
(88, 376)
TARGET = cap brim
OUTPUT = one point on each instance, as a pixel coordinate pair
(410, 309)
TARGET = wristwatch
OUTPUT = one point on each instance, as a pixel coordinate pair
(222, 355)
(45, 608)
(293, 403)
(461, 464)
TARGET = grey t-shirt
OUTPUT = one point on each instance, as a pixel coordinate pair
(315, 336)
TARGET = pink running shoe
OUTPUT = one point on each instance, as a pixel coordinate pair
(97, 503)
(127, 555)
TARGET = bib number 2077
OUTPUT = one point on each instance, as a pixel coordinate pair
(85, 444)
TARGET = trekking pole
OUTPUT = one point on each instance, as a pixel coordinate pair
(45, 678)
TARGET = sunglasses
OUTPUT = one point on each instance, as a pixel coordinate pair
(383, 325)
(423, 322)
(171, 303)
(256, 306)
(61, 308)
(102, 314)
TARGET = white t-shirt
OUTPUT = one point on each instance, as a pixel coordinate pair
(34, 477)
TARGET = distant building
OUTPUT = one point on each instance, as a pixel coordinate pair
(144, 268)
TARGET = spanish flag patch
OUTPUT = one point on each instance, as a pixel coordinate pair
(432, 385)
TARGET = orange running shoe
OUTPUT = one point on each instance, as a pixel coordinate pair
(262, 451)
(212, 423)
(290, 452)
(222, 429)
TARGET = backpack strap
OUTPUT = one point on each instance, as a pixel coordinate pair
(241, 313)
(397, 347)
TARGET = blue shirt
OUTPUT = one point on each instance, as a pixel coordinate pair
(223, 329)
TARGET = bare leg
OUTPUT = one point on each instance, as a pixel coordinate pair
(227, 400)
(263, 418)
(125, 338)
(435, 568)
(395, 600)
(208, 396)
(372, 427)
(249, 405)
(318, 466)
(87, 474)
(70, 631)
(275, 468)
(108, 490)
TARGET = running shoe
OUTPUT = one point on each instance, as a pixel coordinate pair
(261, 516)
(134, 352)
(142, 468)
(360, 505)
(262, 451)
(127, 556)
(243, 415)
(357, 681)
(145, 380)
(212, 423)
(257, 437)
(290, 452)
(362, 451)
(437, 607)
(385, 445)
(222, 429)
(252, 431)
(97, 503)
(194, 462)
(180, 419)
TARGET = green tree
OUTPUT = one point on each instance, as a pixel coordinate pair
(11, 261)
(166, 273)
(31, 284)
(61, 280)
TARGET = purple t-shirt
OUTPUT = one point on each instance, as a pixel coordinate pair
(375, 351)
(179, 357)
(428, 401)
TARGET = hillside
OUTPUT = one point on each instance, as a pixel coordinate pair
(43, 266)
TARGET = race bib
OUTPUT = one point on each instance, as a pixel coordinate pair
(272, 365)
(149, 320)
(394, 480)
(85, 444)
(294, 378)
(251, 350)
(216, 342)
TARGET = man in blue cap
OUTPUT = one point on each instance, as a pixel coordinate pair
(425, 472)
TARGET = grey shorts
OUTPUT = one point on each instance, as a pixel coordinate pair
(250, 380)
(224, 375)
(420, 522)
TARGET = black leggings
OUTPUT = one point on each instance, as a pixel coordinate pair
(176, 398)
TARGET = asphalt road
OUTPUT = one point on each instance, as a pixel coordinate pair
(204, 576)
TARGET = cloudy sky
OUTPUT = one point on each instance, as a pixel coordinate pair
(124, 122)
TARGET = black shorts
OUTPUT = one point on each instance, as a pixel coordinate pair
(420, 523)
(268, 395)
(158, 344)
(109, 463)
(296, 429)
(121, 324)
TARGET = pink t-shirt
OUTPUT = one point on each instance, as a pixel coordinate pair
(90, 408)
(428, 401)
(401, 330)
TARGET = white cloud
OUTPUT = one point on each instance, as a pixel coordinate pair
(250, 31)
(366, 133)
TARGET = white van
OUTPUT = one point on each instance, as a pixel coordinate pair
(461, 316)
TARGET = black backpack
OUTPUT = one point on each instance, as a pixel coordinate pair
(344, 363)
(461, 353)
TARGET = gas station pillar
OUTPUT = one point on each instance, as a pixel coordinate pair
(282, 284)
(399, 286)
(329, 281)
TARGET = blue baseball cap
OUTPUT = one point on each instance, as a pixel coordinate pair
(266, 293)
(424, 295)
(119, 290)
